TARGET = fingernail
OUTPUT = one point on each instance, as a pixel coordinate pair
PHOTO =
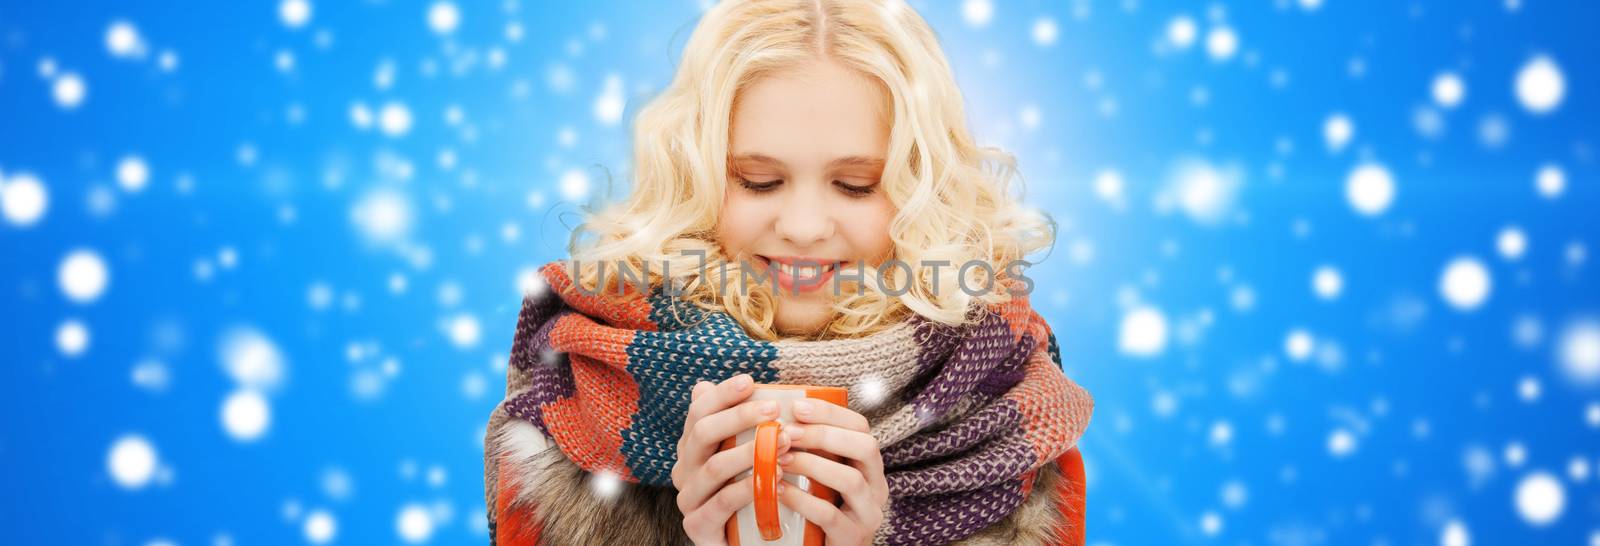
(780, 487)
(743, 381)
(786, 458)
(769, 407)
(802, 406)
(795, 431)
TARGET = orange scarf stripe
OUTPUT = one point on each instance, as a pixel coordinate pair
(599, 359)
(628, 311)
(597, 446)
(1039, 397)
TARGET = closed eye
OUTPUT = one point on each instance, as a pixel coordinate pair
(759, 187)
(856, 191)
(849, 189)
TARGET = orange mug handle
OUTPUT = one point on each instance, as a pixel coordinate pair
(766, 480)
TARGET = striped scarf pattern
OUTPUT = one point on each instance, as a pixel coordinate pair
(963, 416)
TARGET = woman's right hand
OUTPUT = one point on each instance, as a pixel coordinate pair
(717, 412)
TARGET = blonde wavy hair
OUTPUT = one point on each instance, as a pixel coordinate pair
(952, 198)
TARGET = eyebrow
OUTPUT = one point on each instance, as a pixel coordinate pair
(848, 161)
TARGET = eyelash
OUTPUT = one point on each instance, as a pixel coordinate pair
(852, 191)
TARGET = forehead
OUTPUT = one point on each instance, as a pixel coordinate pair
(810, 117)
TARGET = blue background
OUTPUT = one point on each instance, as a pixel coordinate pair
(1410, 421)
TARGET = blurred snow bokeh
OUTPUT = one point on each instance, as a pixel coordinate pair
(1325, 266)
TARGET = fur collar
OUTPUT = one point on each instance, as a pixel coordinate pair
(564, 498)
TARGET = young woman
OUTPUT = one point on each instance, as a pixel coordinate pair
(828, 132)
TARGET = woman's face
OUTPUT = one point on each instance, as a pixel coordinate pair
(807, 149)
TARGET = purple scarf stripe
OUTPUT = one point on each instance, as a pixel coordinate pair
(526, 406)
(926, 520)
(531, 354)
(983, 346)
(987, 423)
(1011, 372)
(993, 462)
(537, 349)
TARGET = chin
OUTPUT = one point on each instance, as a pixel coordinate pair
(798, 326)
(801, 322)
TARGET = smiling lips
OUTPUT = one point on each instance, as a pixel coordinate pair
(799, 273)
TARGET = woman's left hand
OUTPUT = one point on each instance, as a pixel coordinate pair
(825, 427)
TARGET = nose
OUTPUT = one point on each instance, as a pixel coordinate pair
(804, 218)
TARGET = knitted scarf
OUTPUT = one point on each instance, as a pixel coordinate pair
(964, 416)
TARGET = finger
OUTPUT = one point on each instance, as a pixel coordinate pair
(719, 396)
(858, 447)
(714, 474)
(718, 469)
(878, 481)
(711, 430)
(828, 413)
(834, 523)
(707, 524)
(851, 484)
(860, 450)
(691, 447)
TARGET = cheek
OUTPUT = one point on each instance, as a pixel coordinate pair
(869, 230)
(739, 222)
